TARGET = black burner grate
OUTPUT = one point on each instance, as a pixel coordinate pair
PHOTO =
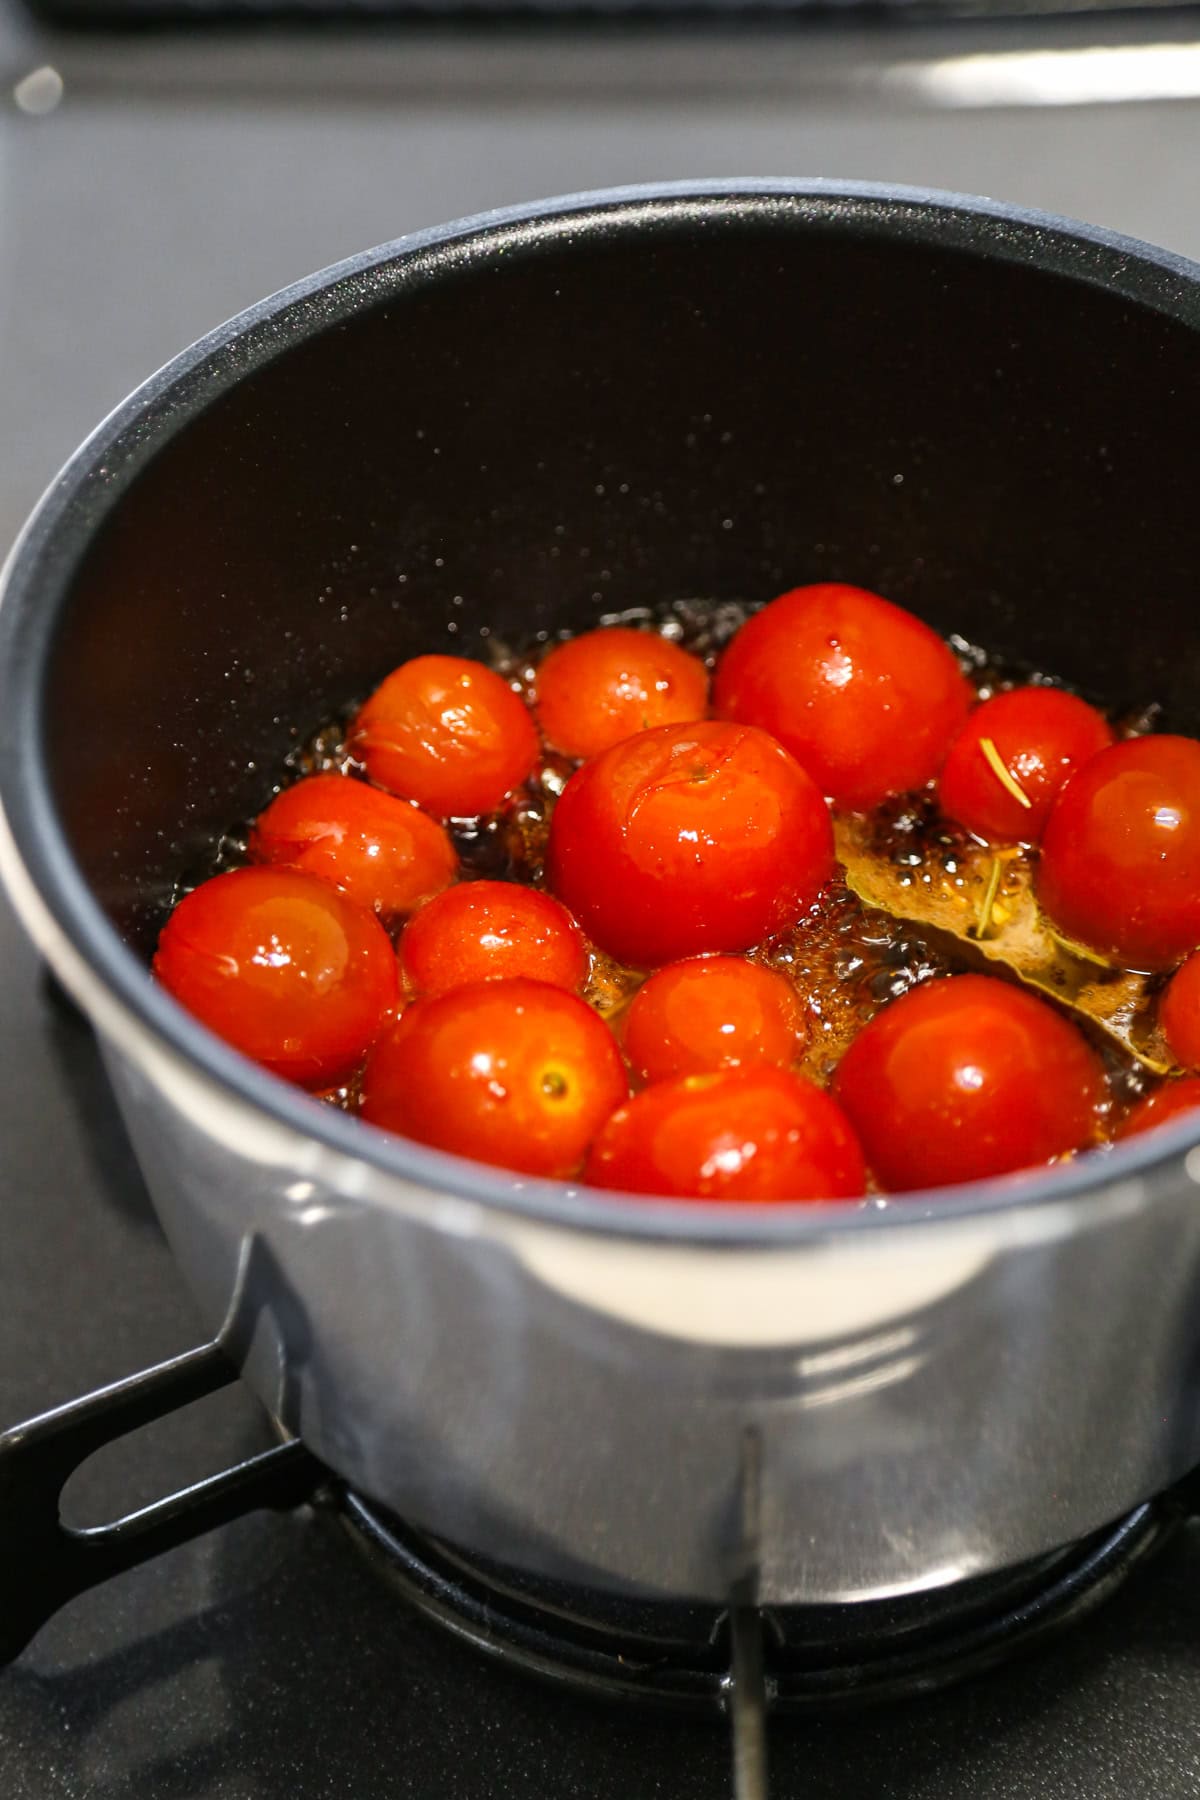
(680, 1656)
(742, 1660)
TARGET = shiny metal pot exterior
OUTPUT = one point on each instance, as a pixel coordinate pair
(941, 1387)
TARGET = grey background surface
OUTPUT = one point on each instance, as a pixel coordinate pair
(176, 181)
(179, 181)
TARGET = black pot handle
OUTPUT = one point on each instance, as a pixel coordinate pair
(44, 1563)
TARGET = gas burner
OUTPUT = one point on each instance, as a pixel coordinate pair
(741, 1660)
(680, 1655)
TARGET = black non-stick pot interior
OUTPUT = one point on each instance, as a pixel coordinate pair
(552, 425)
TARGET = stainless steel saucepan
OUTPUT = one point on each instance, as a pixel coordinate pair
(518, 424)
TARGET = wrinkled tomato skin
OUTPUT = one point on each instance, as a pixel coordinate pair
(597, 689)
(1120, 859)
(1166, 1104)
(514, 1073)
(712, 1012)
(380, 852)
(745, 1134)
(447, 733)
(688, 838)
(284, 968)
(967, 1077)
(865, 696)
(489, 931)
(1042, 736)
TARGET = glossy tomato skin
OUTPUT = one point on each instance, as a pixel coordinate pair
(1120, 861)
(687, 839)
(1179, 1013)
(712, 1012)
(1042, 736)
(488, 931)
(1163, 1106)
(380, 852)
(514, 1073)
(753, 1133)
(599, 688)
(284, 968)
(865, 696)
(447, 733)
(967, 1077)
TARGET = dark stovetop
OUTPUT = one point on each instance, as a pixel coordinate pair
(171, 185)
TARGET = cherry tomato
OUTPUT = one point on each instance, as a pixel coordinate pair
(1039, 737)
(510, 1072)
(375, 849)
(1179, 1014)
(489, 930)
(447, 733)
(712, 1012)
(755, 1133)
(688, 838)
(1120, 863)
(596, 689)
(966, 1077)
(863, 694)
(284, 968)
(1166, 1103)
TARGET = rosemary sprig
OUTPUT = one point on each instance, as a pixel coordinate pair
(1003, 774)
(1073, 948)
(983, 923)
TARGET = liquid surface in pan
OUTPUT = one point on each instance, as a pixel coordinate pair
(717, 901)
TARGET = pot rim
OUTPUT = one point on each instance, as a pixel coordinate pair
(114, 986)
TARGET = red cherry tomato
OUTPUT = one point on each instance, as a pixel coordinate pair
(509, 1072)
(1165, 1104)
(447, 733)
(966, 1077)
(756, 1133)
(1039, 737)
(375, 849)
(283, 968)
(688, 838)
(490, 930)
(596, 689)
(863, 694)
(1179, 1014)
(1120, 863)
(712, 1012)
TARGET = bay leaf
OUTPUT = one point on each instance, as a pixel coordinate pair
(985, 901)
